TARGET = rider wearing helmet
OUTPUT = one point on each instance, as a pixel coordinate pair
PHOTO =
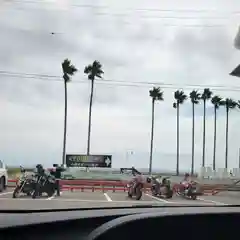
(57, 172)
(185, 181)
(40, 172)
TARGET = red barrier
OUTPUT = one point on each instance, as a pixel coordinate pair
(109, 185)
(92, 185)
(12, 180)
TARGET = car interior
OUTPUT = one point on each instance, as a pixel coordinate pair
(139, 222)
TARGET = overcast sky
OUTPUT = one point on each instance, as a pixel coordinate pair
(161, 43)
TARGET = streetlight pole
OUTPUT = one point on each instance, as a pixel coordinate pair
(239, 158)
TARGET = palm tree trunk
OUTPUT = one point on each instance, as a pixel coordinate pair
(177, 166)
(226, 150)
(151, 144)
(214, 138)
(90, 118)
(65, 123)
(204, 132)
(193, 133)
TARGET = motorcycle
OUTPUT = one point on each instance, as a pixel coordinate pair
(44, 184)
(190, 191)
(135, 189)
(161, 188)
(25, 184)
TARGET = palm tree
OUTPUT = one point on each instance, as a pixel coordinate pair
(157, 95)
(68, 71)
(217, 102)
(229, 104)
(93, 71)
(180, 97)
(195, 96)
(206, 95)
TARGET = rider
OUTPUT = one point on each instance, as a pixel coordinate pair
(40, 172)
(57, 174)
(185, 182)
(136, 176)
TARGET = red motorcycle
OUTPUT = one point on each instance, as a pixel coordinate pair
(188, 190)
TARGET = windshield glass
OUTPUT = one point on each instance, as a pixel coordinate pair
(119, 103)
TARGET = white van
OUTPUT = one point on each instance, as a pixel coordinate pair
(3, 176)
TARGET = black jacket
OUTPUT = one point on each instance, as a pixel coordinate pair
(58, 172)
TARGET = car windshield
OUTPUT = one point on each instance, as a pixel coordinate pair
(69, 136)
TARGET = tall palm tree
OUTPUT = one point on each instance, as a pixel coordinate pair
(229, 104)
(68, 71)
(217, 102)
(93, 70)
(206, 95)
(157, 95)
(195, 96)
(180, 97)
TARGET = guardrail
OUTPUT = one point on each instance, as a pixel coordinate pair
(92, 185)
(96, 185)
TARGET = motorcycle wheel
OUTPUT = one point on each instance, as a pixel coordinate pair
(129, 194)
(138, 193)
(16, 192)
(169, 194)
(50, 192)
(193, 197)
(34, 195)
(154, 192)
(36, 192)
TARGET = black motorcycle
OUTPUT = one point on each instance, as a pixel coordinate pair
(44, 184)
(161, 188)
(25, 184)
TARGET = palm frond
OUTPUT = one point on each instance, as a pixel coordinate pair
(94, 70)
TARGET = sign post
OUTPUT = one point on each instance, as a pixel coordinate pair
(82, 160)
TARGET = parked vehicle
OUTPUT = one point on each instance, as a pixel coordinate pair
(44, 184)
(161, 188)
(135, 186)
(25, 184)
(189, 191)
(3, 176)
(135, 190)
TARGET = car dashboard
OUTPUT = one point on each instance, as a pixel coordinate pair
(126, 222)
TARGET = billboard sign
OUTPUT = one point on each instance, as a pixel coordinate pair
(82, 160)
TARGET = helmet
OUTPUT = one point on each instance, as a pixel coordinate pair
(149, 180)
(39, 166)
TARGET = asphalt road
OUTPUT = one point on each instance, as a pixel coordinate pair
(90, 199)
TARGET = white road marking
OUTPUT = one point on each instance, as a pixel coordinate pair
(211, 201)
(5, 193)
(50, 198)
(105, 201)
(158, 199)
(107, 197)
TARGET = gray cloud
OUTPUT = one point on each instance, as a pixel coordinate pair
(130, 49)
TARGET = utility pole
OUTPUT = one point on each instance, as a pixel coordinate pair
(239, 158)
